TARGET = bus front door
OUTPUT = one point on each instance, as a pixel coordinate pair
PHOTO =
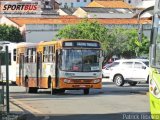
(21, 70)
(57, 69)
(39, 68)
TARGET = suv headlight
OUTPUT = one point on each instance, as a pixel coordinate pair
(154, 89)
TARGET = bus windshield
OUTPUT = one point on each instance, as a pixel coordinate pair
(157, 50)
(80, 60)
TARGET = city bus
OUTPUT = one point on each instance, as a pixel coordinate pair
(61, 65)
(154, 77)
(26, 65)
(12, 61)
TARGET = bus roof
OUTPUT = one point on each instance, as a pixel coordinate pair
(59, 42)
(25, 44)
(62, 40)
(46, 42)
(11, 45)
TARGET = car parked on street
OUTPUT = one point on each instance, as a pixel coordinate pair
(129, 71)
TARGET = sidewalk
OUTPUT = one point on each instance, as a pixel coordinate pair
(15, 112)
(15, 109)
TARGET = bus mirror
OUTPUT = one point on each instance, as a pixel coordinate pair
(140, 32)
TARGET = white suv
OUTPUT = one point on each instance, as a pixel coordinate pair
(128, 71)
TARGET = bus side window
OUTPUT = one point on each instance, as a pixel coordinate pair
(14, 54)
(26, 56)
(51, 53)
(48, 54)
(44, 54)
(17, 59)
(34, 55)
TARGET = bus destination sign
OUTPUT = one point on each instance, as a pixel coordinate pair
(81, 44)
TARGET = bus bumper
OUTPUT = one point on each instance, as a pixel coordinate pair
(80, 84)
(155, 107)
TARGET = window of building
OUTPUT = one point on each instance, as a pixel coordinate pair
(65, 5)
(78, 0)
(46, 2)
(129, 1)
(85, 0)
(71, 4)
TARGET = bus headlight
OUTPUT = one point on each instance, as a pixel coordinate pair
(67, 81)
(154, 89)
(96, 81)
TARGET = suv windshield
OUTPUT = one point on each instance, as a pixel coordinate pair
(80, 60)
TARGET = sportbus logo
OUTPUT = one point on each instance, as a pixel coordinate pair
(12, 7)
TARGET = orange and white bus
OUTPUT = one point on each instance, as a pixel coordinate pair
(26, 65)
(60, 65)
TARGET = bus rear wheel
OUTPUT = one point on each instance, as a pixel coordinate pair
(86, 91)
(31, 90)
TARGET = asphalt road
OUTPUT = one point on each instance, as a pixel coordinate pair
(109, 103)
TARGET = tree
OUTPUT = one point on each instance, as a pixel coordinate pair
(85, 30)
(125, 43)
(117, 41)
(10, 33)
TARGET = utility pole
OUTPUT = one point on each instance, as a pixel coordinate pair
(7, 80)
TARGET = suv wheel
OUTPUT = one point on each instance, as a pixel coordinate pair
(119, 80)
(132, 83)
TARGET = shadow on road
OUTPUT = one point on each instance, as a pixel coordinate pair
(108, 89)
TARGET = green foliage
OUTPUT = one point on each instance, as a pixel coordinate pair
(126, 43)
(85, 30)
(10, 33)
(117, 41)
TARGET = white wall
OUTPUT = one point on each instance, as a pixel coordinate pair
(37, 36)
(5, 20)
(109, 15)
(37, 33)
(41, 32)
(60, 12)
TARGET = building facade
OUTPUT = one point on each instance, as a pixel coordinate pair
(73, 3)
(45, 29)
(140, 3)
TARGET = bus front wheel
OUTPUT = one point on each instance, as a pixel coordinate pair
(58, 91)
(119, 80)
(86, 91)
